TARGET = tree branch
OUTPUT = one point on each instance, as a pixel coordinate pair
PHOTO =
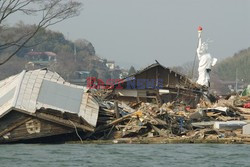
(53, 12)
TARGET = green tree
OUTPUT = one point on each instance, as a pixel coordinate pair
(84, 45)
(240, 62)
(107, 75)
(131, 70)
(93, 73)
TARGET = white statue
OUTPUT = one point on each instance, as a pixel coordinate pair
(205, 61)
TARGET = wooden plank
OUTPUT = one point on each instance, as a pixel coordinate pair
(47, 128)
(11, 118)
(63, 122)
(120, 119)
(117, 114)
(161, 133)
(14, 126)
(115, 122)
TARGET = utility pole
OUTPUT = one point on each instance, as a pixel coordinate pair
(75, 52)
(236, 80)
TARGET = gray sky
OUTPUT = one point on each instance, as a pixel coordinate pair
(136, 32)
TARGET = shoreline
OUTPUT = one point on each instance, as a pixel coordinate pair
(162, 140)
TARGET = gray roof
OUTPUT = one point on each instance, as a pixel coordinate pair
(32, 90)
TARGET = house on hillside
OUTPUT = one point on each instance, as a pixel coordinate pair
(227, 87)
(110, 65)
(41, 59)
(80, 78)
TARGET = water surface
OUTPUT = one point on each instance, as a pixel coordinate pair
(125, 155)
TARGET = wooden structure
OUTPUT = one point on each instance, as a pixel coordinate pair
(39, 103)
(157, 83)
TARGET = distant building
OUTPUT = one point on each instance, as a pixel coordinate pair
(80, 78)
(123, 74)
(82, 74)
(110, 65)
(224, 87)
(42, 59)
(101, 60)
(230, 86)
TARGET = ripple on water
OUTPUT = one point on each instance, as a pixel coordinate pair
(203, 155)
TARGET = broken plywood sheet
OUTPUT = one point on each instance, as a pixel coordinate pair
(89, 109)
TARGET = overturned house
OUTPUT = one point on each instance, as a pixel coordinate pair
(37, 104)
(158, 84)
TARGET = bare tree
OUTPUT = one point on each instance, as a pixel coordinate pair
(187, 68)
(50, 12)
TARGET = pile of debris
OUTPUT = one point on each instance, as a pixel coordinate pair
(38, 104)
(173, 120)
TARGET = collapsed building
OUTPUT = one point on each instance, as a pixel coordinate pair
(154, 102)
(39, 103)
(159, 84)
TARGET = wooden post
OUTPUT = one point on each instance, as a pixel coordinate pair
(157, 78)
(117, 114)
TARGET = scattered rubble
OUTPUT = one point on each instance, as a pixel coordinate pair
(30, 108)
(174, 120)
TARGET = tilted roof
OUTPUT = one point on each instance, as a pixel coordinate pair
(33, 90)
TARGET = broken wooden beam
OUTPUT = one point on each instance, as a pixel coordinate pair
(63, 122)
(14, 126)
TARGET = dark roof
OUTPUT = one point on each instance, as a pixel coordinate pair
(131, 77)
(155, 65)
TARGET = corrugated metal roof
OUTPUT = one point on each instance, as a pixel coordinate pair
(32, 90)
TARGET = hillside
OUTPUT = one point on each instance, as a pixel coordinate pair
(71, 56)
(231, 72)
(240, 62)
